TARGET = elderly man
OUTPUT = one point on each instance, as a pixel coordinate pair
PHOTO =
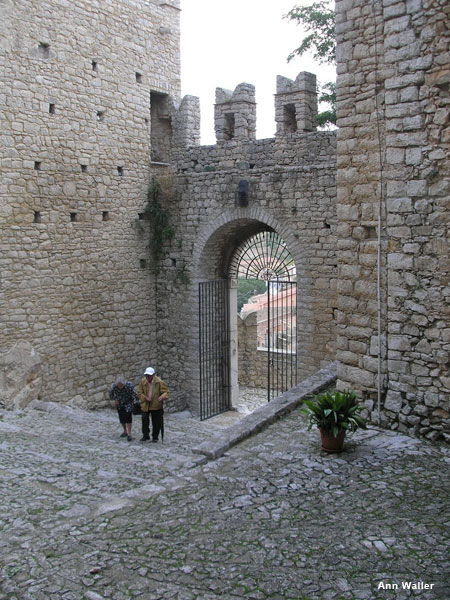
(152, 392)
(124, 396)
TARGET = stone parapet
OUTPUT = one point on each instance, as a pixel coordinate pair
(267, 414)
(294, 149)
(235, 113)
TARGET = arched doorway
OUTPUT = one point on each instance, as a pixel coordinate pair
(264, 257)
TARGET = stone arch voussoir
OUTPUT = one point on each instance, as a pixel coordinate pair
(237, 215)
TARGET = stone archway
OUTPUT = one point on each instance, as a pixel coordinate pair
(205, 252)
(214, 256)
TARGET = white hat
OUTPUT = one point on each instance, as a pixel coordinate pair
(149, 371)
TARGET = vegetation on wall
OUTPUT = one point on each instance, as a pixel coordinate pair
(182, 275)
(319, 20)
(162, 232)
(161, 229)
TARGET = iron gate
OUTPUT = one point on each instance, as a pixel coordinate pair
(214, 348)
(281, 337)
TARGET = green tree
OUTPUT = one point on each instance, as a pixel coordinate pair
(248, 288)
(319, 20)
(327, 95)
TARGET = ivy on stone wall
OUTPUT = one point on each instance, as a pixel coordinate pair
(182, 276)
(162, 232)
(161, 229)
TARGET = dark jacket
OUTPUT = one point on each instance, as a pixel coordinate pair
(124, 397)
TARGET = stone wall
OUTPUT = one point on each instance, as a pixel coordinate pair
(90, 97)
(76, 128)
(393, 194)
(235, 113)
(253, 360)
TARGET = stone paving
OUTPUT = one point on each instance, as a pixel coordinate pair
(89, 516)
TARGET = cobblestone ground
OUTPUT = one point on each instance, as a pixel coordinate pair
(87, 515)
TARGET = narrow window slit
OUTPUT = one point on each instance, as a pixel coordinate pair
(44, 50)
(371, 232)
(229, 126)
(290, 118)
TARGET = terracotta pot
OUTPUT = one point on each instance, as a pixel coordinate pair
(331, 443)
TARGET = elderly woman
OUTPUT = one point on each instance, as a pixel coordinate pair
(152, 392)
(124, 396)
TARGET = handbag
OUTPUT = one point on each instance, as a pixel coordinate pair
(137, 408)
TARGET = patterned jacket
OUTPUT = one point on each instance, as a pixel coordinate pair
(126, 396)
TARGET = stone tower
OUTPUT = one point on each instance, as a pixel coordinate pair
(89, 94)
(393, 209)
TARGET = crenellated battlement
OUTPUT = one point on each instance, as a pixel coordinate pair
(235, 114)
(186, 123)
(296, 140)
(296, 104)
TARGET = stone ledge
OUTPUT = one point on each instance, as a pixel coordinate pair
(267, 414)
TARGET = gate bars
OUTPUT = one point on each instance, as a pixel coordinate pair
(214, 343)
(281, 337)
(214, 346)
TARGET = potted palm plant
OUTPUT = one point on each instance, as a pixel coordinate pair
(334, 414)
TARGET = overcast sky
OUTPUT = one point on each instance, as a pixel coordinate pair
(228, 42)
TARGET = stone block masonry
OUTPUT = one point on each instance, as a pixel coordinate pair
(235, 113)
(76, 149)
(296, 104)
(253, 360)
(393, 161)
